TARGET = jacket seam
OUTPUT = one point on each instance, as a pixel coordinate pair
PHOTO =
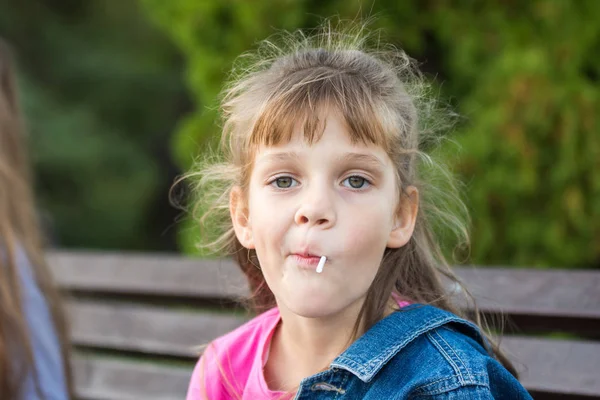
(447, 357)
(458, 358)
(453, 359)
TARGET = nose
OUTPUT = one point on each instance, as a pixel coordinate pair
(317, 208)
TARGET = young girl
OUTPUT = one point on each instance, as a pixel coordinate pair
(330, 216)
(34, 346)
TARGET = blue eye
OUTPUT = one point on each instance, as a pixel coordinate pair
(356, 182)
(284, 182)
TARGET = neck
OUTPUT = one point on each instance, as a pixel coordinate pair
(301, 346)
(312, 344)
(321, 338)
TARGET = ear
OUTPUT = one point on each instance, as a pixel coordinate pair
(240, 218)
(406, 218)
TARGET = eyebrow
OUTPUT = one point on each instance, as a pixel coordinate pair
(280, 157)
(358, 158)
(362, 158)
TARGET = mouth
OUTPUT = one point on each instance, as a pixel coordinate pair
(306, 259)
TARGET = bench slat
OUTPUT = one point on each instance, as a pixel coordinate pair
(556, 366)
(146, 274)
(544, 292)
(99, 378)
(147, 329)
(539, 299)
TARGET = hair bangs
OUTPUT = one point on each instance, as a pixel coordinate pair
(303, 106)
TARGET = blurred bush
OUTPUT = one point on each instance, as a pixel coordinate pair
(523, 74)
(101, 90)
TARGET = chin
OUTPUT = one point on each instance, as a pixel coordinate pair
(315, 307)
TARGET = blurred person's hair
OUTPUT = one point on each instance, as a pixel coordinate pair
(20, 232)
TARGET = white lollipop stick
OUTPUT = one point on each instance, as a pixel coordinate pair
(321, 264)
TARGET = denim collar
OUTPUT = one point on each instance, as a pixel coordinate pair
(367, 355)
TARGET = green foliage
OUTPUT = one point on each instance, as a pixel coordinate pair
(523, 74)
(527, 80)
(90, 175)
(100, 88)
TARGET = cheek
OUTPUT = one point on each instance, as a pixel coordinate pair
(367, 236)
(269, 220)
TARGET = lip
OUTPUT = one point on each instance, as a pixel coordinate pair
(306, 260)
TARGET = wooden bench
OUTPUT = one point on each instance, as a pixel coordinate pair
(138, 319)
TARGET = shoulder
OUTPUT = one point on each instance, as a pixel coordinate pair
(243, 341)
(451, 362)
(425, 351)
(227, 361)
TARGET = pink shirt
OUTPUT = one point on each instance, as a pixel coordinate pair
(232, 365)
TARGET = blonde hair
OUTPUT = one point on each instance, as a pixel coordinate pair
(292, 78)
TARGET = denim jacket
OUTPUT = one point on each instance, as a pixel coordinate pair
(418, 353)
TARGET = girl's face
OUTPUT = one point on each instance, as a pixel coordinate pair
(331, 198)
